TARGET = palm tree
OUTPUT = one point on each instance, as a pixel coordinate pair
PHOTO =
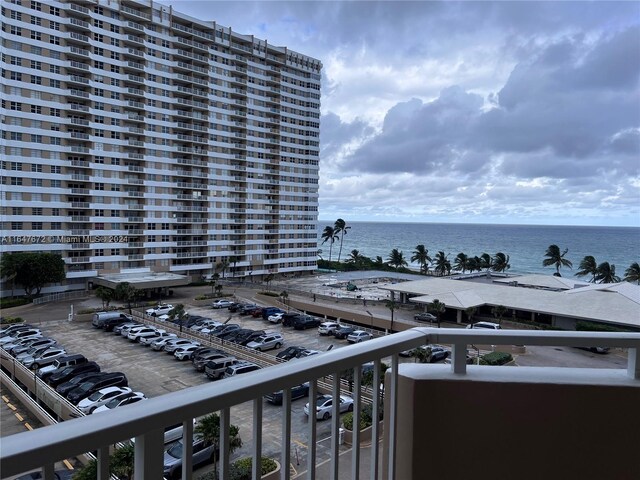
(442, 263)
(209, 428)
(329, 235)
(485, 261)
(471, 311)
(606, 273)
(354, 257)
(438, 308)
(340, 228)
(396, 259)
(106, 295)
(222, 266)
(632, 274)
(588, 266)
(556, 259)
(379, 262)
(391, 305)
(122, 460)
(268, 279)
(461, 263)
(500, 262)
(474, 264)
(214, 279)
(178, 313)
(421, 255)
(218, 290)
(284, 295)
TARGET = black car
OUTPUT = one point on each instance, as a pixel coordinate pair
(67, 386)
(290, 352)
(247, 309)
(202, 351)
(223, 329)
(236, 307)
(343, 332)
(115, 379)
(111, 323)
(289, 318)
(297, 391)
(67, 373)
(250, 338)
(304, 322)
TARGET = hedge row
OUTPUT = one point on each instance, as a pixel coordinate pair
(241, 469)
(497, 358)
(13, 302)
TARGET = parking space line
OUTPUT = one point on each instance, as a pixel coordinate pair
(29, 427)
(68, 464)
(304, 445)
(5, 398)
(11, 406)
(18, 416)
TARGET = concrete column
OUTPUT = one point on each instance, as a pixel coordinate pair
(459, 316)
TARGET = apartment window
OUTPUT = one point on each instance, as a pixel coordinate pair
(98, 10)
(15, 60)
(99, 213)
(98, 37)
(115, 28)
(36, 167)
(54, 11)
(15, 106)
(54, 41)
(99, 92)
(54, 68)
(16, 181)
(36, 225)
(99, 160)
(36, 21)
(115, 15)
(99, 252)
(115, 161)
(36, 65)
(36, 138)
(36, 211)
(56, 225)
(36, 182)
(55, 140)
(36, 6)
(56, 183)
(115, 188)
(56, 169)
(98, 65)
(15, 30)
(54, 112)
(16, 136)
(115, 69)
(115, 95)
(115, 42)
(36, 197)
(115, 55)
(36, 80)
(98, 23)
(54, 25)
(99, 106)
(16, 225)
(55, 212)
(99, 226)
(114, 81)
(15, 15)
(115, 251)
(16, 211)
(55, 127)
(99, 186)
(98, 51)
(17, 76)
(115, 122)
(99, 119)
(115, 135)
(54, 55)
(99, 133)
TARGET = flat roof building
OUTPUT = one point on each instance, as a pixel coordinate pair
(137, 139)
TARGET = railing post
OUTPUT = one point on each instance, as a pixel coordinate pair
(393, 409)
(103, 463)
(633, 363)
(375, 415)
(335, 426)
(285, 455)
(355, 444)
(225, 423)
(187, 449)
(257, 439)
(459, 358)
(148, 462)
(48, 472)
(311, 441)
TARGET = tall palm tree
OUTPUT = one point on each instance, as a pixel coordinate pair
(178, 313)
(606, 273)
(485, 261)
(396, 259)
(471, 311)
(355, 257)
(588, 266)
(438, 308)
(340, 228)
(461, 263)
(442, 263)
(421, 255)
(209, 428)
(329, 235)
(632, 274)
(391, 305)
(474, 264)
(498, 312)
(500, 262)
(556, 259)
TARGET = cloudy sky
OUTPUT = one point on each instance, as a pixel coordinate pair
(505, 112)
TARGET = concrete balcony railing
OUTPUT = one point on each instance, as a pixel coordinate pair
(435, 415)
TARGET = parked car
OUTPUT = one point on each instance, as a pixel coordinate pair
(160, 342)
(110, 323)
(425, 317)
(117, 330)
(31, 352)
(158, 310)
(215, 369)
(67, 373)
(257, 312)
(99, 318)
(268, 311)
(359, 336)
(200, 352)
(5, 331)
(236, 307)
(185, 352)
(202, 453)
(46, 357)
(69, 385)
(125, 331)
(61, 363)
(307, 352)
(290, 352)
(247, 309)
(276, 317)
(297, 391)
(289, 318)
(222, 304)
(237, 336)
(601, 350)
(324, 406)
(23, 345)
(221, 329)
(159, 334)
(121, 401)
(99, 398)
(485, 325)
(20, 334)
(138, 335)
(172, 345)
(305, 321)
(327, 328)
(115, 379)
(244, 340)
(433, 353)
(343, 332)
(266, 342)
(200, 363)
(240, 368)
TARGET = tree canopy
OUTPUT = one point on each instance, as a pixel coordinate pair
(33, 270)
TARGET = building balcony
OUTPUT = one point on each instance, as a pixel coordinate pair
(434, 415)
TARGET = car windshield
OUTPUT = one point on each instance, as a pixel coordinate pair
(175, 450)
(113, 403)
(95, 396)
(321, 401)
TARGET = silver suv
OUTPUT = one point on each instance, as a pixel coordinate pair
(266, 342)
(240, 368)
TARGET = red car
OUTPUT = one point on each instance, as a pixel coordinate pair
(257, 312)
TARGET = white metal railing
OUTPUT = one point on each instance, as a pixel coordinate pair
(41, 448)
(54, 297)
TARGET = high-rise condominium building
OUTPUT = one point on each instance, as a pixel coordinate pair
(137, 139)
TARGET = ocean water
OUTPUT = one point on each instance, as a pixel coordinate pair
(525, 244)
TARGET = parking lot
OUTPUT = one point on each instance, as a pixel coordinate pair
(156, 373)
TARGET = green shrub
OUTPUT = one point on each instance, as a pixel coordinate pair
(10, 320)
(13, 302)
(497, 358)
(366, 418)
(241, 469)
(597, 327)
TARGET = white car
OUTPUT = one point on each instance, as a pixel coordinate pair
(121, 401)
(266, 342)
(159, 343)
(159, 334)
(324, 406)
(210, 324)
(359, 336)
(135, 334)
(327, 328)
(22, 334)
(485, 325)
(222, 304)
(276, 317)
(185, 352)
(175, 343)
(99, 398)
(159, 310)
